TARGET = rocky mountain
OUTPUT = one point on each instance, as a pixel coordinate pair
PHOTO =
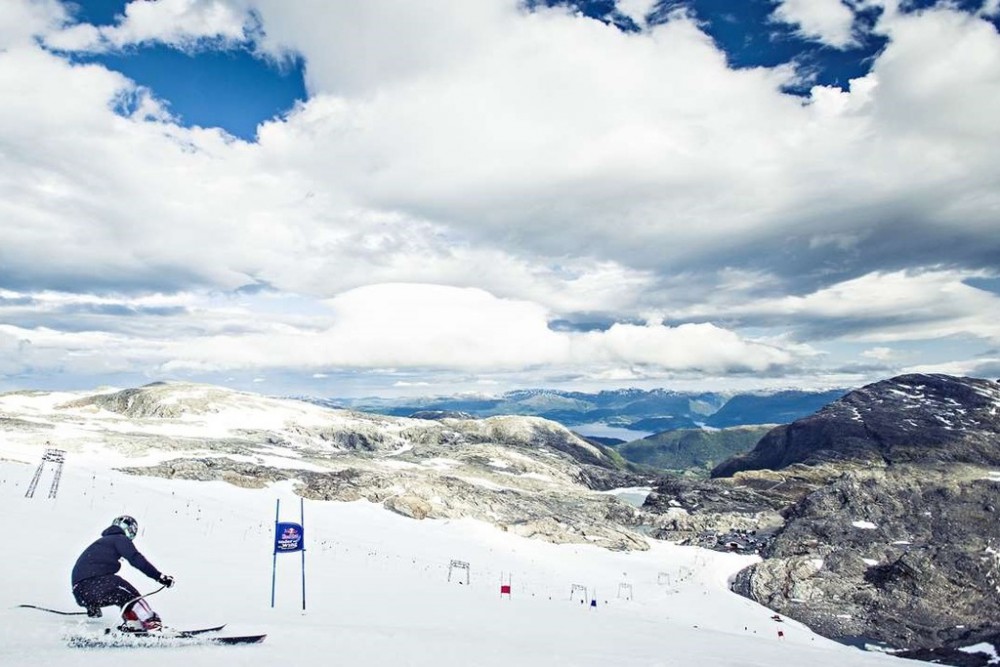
(909, 419)
(877, 517)
(525, 474)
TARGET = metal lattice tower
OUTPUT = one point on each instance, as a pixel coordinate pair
(34, 480)
(459, 565)
(57, 457)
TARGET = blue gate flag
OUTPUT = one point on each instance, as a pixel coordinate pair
(288, 538)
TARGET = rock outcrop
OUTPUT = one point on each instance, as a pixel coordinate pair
(882, 512)
(908, 419)
(908, 556)
(524, 474)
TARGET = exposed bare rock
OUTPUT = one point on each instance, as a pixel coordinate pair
(556, 513)
(157, 400)
(908, 419)
(888, 500)
(909, 556)
(411, 506)
(521, 473)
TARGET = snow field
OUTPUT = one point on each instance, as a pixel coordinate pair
(377, 588)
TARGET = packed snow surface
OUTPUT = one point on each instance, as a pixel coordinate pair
(378, 589)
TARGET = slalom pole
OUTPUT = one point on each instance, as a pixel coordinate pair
(274, 557)
(302, 512)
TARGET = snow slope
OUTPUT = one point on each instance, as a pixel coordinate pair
(378, 589)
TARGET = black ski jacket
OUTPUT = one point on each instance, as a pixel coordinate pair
(104, 557)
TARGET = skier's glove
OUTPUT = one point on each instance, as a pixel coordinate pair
(166, 580)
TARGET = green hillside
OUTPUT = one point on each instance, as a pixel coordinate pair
(695, 450)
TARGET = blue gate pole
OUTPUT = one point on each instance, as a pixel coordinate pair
(274, 558)
(302, 511)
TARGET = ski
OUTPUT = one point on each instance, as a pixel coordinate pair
(52, 611)
(181, 633)
(200, 631)
(155, 639)
(245, 639)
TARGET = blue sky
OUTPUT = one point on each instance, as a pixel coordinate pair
(229, 87)
(340, 198)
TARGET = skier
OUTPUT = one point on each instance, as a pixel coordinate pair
(96, 585)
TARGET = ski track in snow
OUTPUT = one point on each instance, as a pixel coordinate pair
(378, 591)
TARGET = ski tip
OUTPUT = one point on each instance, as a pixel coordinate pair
(247, 639)
(200, 631)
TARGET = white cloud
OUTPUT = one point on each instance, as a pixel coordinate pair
(23, 20)
(46, 352)
(883, 307)
(75, 37)
(585, 124)
(829, 21)
(625, 139)
(553, 161)
(389, 326)
(606, 158)
(879, 353)
(982, 367)
(179, 23)
(429, 326)
(703, 347)
(637, 10)
(77, 208)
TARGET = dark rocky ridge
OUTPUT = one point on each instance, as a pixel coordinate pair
(910, 418)
(884, 513)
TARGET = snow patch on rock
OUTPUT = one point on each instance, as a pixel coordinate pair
(985, 648)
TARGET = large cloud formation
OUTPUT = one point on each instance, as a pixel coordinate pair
(539, 158)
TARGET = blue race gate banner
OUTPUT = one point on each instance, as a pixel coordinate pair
(288, 538)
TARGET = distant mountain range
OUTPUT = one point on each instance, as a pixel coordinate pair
(642, 411)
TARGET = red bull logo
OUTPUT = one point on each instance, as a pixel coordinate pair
(288, 537)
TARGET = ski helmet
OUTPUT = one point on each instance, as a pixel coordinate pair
(128, 524)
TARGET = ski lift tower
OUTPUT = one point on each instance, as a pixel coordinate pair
(57, 457)
(459, 565)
